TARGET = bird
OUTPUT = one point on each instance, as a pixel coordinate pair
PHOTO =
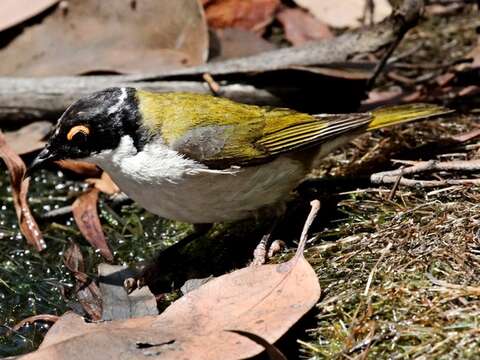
(203, 159)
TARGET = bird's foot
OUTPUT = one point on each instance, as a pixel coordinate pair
(133, 283)
(264, 251)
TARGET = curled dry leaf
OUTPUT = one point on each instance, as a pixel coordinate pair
(105, 184)
(301, 27)
(345, 13)
(16, 168)
(85, 213)
(252, 15)
(80, 167)
(97, 35)
(265, 300)
(87, 292)
(13, 12)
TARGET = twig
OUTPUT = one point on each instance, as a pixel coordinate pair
(212, 84)
(473, 290)
(404, 11)
(55, 213)
(315, 204)
(391, 177)
(394, 188)
(374, 269)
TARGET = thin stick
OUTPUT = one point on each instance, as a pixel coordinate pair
(372, 273)
(391, 177)
(315, 204)
(212, 84)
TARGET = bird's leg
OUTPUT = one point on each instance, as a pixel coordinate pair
(149, 271)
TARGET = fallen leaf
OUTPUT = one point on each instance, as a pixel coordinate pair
(28, 138)
(16, 169)
(266, 301)
(117, 303)
(86, 291)
(96, 35)
(84, 210)
(105, 184)
(231, 43)
(80, 167)
(14, 12)
(345, 13)
(252, 15)
(301, 27)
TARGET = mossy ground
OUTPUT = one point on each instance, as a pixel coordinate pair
(402, 280)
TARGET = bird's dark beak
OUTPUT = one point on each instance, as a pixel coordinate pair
(42, 158)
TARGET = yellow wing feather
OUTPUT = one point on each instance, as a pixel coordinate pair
(222, 133)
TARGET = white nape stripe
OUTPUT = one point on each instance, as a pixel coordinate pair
(121, 99)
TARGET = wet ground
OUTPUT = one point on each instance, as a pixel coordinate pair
(33, 283)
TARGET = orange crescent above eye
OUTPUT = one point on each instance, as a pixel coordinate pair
(77, 129)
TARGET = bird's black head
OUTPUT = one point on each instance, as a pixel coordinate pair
(92, 124)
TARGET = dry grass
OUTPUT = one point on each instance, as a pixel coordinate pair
(403, 280)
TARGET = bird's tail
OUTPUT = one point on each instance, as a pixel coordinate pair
(399, 114)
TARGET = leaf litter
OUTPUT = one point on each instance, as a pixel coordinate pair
(94, 35)
(86, 290)
(85, 213)
(264, 301)
(17, 168)
(14, 12)
(346, 13)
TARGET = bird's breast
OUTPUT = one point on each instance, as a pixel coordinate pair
(171, 186)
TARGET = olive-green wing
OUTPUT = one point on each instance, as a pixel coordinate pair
(221, 133)
(222, 146)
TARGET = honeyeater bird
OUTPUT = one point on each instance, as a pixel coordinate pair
(204, 159)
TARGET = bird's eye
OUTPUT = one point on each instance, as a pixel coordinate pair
(78, 133)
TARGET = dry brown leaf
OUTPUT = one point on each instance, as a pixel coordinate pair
(80, 167)
(234, 43)
(265, 300)
(16, 168)
(85, 213)
(14, 12)
(345, 13)
(97, 35)
(86, 291)
(105, 184)
(252, 15)
(301, 27)
(29, 138)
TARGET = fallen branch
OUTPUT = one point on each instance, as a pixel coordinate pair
(397, 175)
(288, 76)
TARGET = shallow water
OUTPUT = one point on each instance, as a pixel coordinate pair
(33, 283)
